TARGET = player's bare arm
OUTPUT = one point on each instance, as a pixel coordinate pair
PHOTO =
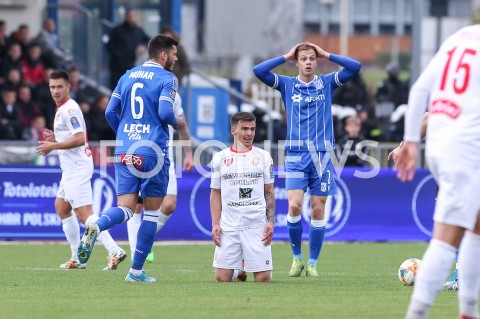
(184, 134)
(216, 210)
(270, 212)
(181, 123)
(45, 147)
(394, 153)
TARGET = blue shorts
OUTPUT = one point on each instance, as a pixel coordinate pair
(310, 170)
(147, 174)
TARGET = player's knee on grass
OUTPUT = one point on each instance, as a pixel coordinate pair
(264, 276)
(223, 275)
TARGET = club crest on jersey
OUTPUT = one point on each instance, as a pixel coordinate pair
(296, 98)
(228, 161)
(74, 122)
(255, 161)
(319, 84)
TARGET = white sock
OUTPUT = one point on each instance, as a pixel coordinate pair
(162, 220)
(104, 237)
(71, 228)
(133, 225)
(469, 275)
(433, 272)
(235, 274)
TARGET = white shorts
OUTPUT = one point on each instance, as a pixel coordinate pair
(244, 245)
(458, 194)
(77, 190)
(172, 180)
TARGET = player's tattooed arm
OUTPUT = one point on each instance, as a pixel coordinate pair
(270, 201)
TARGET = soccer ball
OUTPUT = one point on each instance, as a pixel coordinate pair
(408, 271)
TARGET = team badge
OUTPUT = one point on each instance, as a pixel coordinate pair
(319, 84)
(74, 122)
(228, 161)
(255, 161)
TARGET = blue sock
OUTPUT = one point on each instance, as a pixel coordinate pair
(317, 233)
(145, 238)
(295, 230)
(112, 217)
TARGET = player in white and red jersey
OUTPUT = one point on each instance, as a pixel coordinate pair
(70, 139)
(242, 204)
(449, 86)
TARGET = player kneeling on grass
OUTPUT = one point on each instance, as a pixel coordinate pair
(242, 204)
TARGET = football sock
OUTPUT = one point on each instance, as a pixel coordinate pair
(71, 228)
(162, 219)
(469, 275)
(235, 274)
(436, 264)
(295, 231)
(133, 225)
(145, 238)
(113, 216)
(317, 233)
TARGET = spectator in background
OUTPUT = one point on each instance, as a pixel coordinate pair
(86, 109)
(352, 137)
(37, 127)
(391, 93)
(280, 128)
(14, 78)
(12, 60)
(182, 66)
(22, 37)
(10, 127)
(78, 87)
(353, 93)
(392, 89)
(41, 94)
(3, 39)
(27, 109)
(33, 70)
(123, 41)
(370, 126)
(101, 130)
(54, 54)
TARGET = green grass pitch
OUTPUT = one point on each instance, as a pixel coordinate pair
(357, 280)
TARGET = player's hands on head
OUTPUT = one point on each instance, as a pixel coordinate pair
(216, 234)
(321, 52)
(291, 54)
(268, 235)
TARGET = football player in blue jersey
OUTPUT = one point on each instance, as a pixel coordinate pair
(139, 111)
(309, 141)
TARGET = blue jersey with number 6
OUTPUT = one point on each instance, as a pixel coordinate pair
(141, 108)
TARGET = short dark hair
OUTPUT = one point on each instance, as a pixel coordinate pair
(242, 116)
(304, 47)
(60, 74)
(160, 43)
